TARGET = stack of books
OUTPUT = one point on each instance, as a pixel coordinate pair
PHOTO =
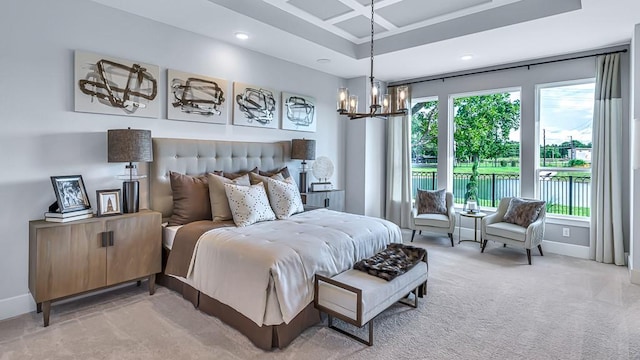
(68, 216)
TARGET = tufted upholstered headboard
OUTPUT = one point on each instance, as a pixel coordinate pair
(197, 157)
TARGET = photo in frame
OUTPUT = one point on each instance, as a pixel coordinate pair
(193, 97)
(255, 106)
(109, 85)
(298, 112)
(109, 202)
(71, 194)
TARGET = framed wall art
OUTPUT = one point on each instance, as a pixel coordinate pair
(298, 112)
(109, 202)
(109, 85)
(192, 97)
(71, 194)
(255, 106)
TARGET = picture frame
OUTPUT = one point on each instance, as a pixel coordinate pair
(109, 202)
(70, 192)
(298, 112)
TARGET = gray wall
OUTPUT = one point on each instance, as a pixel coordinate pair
(42, 136)
(526, 81)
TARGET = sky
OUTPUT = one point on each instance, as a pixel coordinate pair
(565, 112)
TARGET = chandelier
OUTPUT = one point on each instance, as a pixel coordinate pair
(380, 106)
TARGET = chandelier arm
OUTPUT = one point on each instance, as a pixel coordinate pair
(372, 34)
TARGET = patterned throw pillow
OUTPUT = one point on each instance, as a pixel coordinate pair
(284, 197)
(219, 203)
(432, 202)
(248, 204)
(523, 212)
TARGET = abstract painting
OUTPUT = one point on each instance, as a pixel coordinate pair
(255, 106)
(298, 112)
(192, 97)
(108, 85)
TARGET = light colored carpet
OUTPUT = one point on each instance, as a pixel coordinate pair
(479, 306)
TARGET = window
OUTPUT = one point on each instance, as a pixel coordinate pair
(424, 144)
(487, 147)
(565, 118)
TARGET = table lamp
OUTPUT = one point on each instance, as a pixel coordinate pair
(303, 149)
(130, 145)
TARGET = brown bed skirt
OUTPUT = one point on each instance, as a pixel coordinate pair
(265, 337)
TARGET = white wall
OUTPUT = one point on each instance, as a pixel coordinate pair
(366, 156)
(42, 136)
(526, 80)
(634, 257)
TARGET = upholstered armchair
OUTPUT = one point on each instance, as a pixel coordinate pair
(434, 222)
(496, 228)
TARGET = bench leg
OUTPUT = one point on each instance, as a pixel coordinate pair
(413, 234)
(368, 342)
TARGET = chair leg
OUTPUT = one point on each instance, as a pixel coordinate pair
(540, 248)
(451, 237)
(484, 244)
(529, 256)
(412, 235)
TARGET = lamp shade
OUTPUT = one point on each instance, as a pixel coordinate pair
(303, 149)
(129, 145)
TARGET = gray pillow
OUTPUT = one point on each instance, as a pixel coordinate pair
(220, 209)
(432, 202)
(523, 212)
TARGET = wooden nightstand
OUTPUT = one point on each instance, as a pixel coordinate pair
(332, 199)
(67, 259)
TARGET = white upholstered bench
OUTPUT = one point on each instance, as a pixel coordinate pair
(357, 297)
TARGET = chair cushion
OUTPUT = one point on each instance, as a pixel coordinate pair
(432, 202)
(507, 230)
(433, 220)
(523, 212)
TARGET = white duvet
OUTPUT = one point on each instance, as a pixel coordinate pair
(265, 271)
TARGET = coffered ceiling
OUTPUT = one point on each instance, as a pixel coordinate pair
(413, 38)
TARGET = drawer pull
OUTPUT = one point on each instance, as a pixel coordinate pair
(111, 240)
(105, 238)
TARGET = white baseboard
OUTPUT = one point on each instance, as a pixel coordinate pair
(16, 305)
(554, 247)
(559, 248)
(634, 276)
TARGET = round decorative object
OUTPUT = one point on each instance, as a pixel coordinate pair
(322, 168)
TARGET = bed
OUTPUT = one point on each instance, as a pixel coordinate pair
(257, 279)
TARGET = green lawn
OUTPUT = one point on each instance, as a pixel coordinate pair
(500, 170)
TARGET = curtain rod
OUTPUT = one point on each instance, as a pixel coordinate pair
(528, 66)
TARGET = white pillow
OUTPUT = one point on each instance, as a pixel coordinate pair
(284, 197)
(217, 195)
(248, 204)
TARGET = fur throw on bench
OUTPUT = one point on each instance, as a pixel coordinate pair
(393, 261)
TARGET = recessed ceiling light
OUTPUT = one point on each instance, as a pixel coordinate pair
(242, 36)
(323, 61)
(466, 57)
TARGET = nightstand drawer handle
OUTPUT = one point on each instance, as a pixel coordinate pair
(105, 239)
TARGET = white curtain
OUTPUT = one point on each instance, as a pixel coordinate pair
(606, 243)
(398, 199)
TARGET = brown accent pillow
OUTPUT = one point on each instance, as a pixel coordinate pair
(432, 202)
(230, 175)
(190, 198)
(523, 212)
(284, 172)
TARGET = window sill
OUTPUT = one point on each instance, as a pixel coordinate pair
(583, 222)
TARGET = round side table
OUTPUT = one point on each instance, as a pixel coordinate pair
(476, 216)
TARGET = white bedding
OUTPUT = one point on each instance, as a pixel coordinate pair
(265, 271)
(169, 234)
